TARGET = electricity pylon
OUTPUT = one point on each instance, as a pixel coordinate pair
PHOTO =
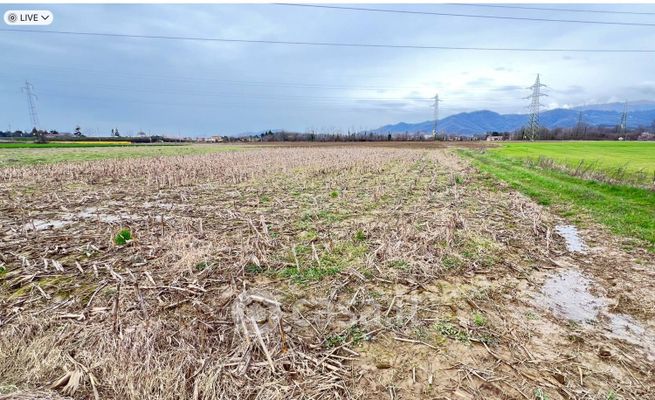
(435, 123)
(579, 126)
(28, 89)
(533, 123)
(624, 119)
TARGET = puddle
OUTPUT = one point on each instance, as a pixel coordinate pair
(570, 235)
(90, 213)
(625, 327)
(567, 295)
(93, 213)
(152, 204)
(40, 224)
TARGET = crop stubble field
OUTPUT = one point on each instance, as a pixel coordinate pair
(310, 272)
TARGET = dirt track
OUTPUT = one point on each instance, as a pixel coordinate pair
(315, 272)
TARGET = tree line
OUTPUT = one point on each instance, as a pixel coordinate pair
(579, 132)
(589, 132)
(365, 136)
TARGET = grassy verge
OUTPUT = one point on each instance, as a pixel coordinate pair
(625, 210)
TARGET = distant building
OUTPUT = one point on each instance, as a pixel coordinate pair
(491, 138)
(216, 139)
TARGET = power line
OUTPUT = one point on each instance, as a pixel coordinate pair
(442, 14)
(165, 90)
(330, 44)
(552, 9)
(130, 85)
(169, 78)
(304, 103)
(276, 98)
(298, 102)
(181, 92)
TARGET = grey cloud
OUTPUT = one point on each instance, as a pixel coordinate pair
(508, 88)
(61, 68)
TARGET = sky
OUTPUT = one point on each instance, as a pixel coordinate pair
(196, 88)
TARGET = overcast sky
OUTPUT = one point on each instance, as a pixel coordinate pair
(195, 88)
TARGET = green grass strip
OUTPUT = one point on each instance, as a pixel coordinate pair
(635, 159)
(625, 210)
(56, 145)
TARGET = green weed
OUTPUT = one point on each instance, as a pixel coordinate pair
(333, 341)
(254, 269)
(123, 237)
(201, 266)
(449, 330)
(449, 262)
(309, 235)
(8, 389)
(539, 394)
(399, 264)
(479, 319)
(329, 263)
(322, 215)
(353, 335)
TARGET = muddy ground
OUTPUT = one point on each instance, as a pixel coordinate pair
(326, 273)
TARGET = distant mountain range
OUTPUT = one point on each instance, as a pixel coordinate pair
(640, 113)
